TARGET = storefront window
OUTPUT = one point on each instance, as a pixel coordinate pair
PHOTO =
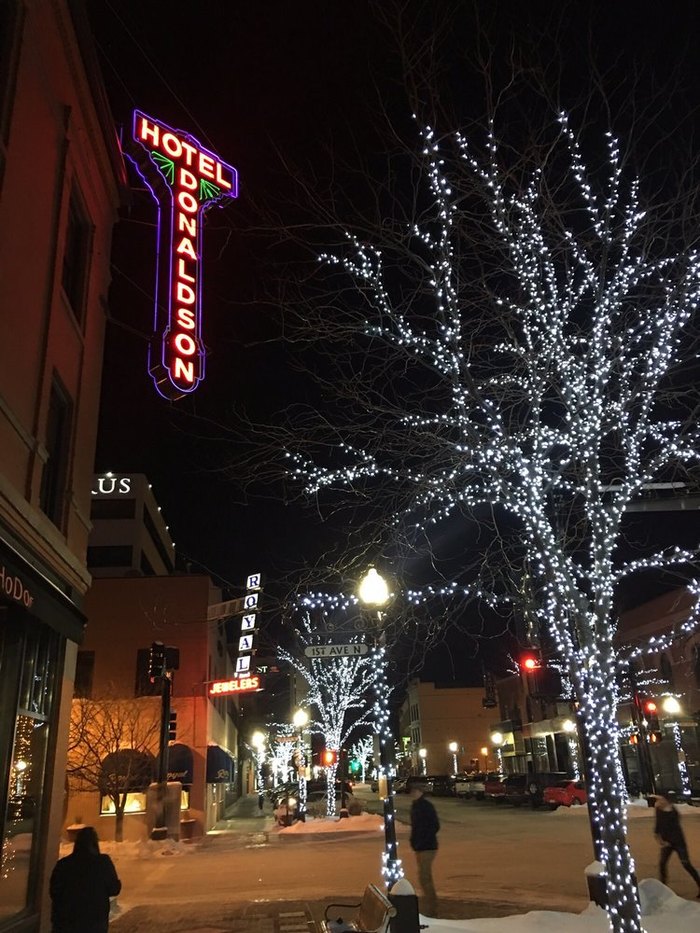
(29, 657)
(136, 803)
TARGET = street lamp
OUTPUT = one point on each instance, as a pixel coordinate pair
(257, 740)
(423, 755)
(373, 591)
(300, 719)
(671, 706)
(454, 748)
(485, 753)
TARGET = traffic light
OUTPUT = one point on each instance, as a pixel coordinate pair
(329, 757)
(651, 714)
(529, 662)
(172, 726)
(156, 661)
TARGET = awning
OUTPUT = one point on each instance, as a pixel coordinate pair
(180, 763)
(220, 766)
(127, 771)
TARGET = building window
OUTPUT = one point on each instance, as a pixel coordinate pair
(109, 555)
(144, 687)
(75, 256)
(55, 474)
(84, 670)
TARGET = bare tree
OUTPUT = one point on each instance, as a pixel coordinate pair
(112, 744)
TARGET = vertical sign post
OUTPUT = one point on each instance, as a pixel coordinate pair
(185, 180)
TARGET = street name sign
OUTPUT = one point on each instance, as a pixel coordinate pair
(335, 651)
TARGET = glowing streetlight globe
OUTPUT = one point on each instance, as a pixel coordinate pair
(569, 725)
(423, 752)
(300, 718)
(671, 705)
(453, 746)
(497, 738)
(373, 589)
(257, 740)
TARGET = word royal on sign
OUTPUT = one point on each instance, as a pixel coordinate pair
(335, 651)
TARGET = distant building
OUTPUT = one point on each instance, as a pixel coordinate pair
(670, 678)
(129, 536)
(132, 604)
(60, 178)
(435, 715)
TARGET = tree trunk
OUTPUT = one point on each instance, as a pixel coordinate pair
(330, 789)
(607, 806)
(119, 804)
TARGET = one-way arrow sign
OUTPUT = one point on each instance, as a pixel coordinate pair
(335, 651)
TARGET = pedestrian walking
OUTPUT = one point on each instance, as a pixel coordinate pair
(81, 886)
(424, 829)
(670, 836)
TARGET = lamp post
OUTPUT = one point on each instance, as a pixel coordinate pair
(373, 591)
(454, 748)
(497, 740)
(423, 755)
(300, 719)
(257, 740)
(485, 753)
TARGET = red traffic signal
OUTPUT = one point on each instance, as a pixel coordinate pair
(329, 757)
(650, 706)
(529, 662)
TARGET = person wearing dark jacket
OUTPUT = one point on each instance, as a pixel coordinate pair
(81, 886)
(424, 829)
(670, 836)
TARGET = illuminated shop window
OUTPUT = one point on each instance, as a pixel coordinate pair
(136, 803)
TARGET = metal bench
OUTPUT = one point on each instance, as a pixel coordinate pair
(374, 915)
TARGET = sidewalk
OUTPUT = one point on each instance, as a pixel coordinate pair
(245, 819)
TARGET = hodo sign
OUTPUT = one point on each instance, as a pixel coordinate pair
(185, 179)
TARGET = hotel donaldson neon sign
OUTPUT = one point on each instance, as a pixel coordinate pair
(185, 180)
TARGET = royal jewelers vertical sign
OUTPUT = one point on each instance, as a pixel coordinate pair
(249, 625)
(185, 180)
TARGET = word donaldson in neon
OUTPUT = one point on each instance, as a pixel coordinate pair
(185, 179)
(237, 685)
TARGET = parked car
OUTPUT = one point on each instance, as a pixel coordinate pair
(529, 788)
(422, 780)
(317, 804)
(495, 788)
(464, 784)
(565, 794)
(443, 785)
(480, 780)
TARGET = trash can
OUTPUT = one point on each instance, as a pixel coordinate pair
(403, 898)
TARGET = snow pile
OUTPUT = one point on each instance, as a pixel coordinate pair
(365, 822)
(662, 910)
(142, 848)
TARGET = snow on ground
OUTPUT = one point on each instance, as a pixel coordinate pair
(144, 848)
(636, 810)
(365, 822)
(662, 911)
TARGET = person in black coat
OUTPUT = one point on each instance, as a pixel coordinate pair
(81, 886)
(424, 829)
(670, 836)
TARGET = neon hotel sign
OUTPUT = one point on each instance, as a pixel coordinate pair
(185, 179)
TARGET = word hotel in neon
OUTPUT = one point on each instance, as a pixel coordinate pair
(185, 180)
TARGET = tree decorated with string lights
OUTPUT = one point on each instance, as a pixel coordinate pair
(513, 351)
(339, 690)
(362, 750)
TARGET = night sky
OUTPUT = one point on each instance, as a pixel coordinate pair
(306, 92)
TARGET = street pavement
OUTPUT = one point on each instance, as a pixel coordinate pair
(493, 860)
